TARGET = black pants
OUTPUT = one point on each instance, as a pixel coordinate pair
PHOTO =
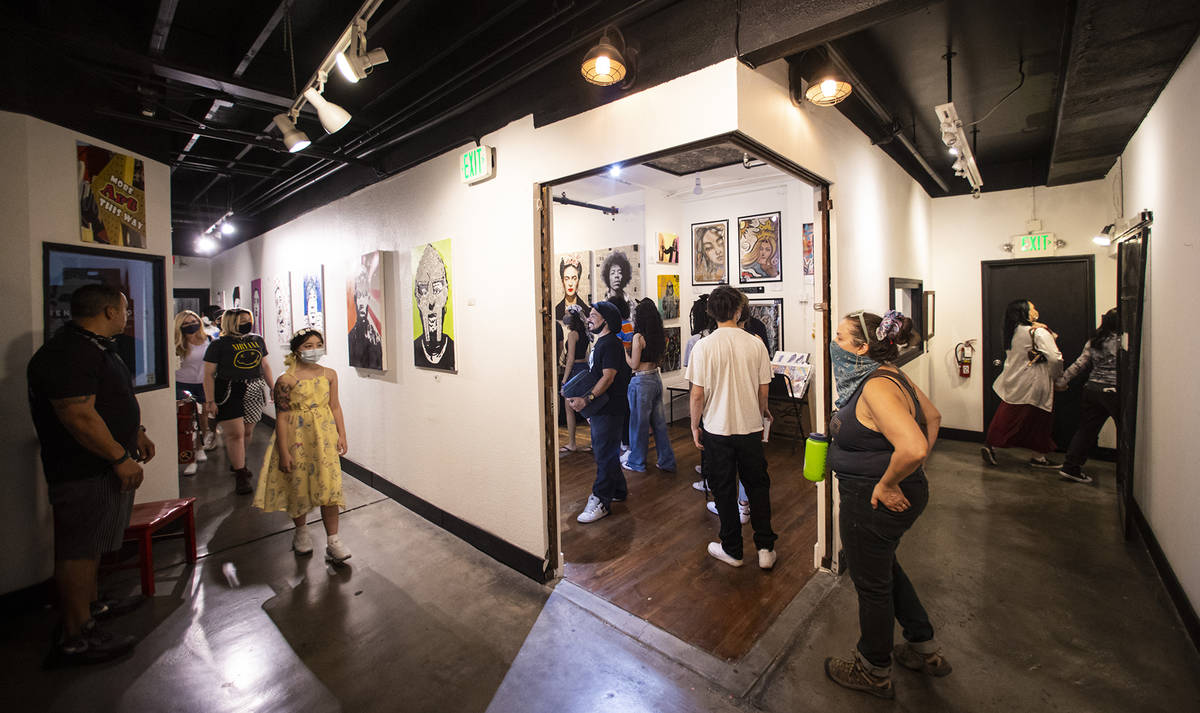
(727, 458)
(869, 540)
(1099, 403)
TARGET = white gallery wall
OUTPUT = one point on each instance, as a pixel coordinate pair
(967, 231)
(40, 201)
(192, 273)
(1160, 174)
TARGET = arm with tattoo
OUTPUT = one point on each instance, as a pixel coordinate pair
(78, 415)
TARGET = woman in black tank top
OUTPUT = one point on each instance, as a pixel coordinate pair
(881, 437)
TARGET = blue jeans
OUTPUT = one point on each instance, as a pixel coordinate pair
(606, 447)
(646, 413)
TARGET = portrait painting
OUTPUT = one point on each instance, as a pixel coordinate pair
(670, 360)
(810, 264)
(281, 309)
(708, 253)
(619, 275)
(364, 313)
(668, 248)
(760, 248)
(256, 306)
(668, 296)
(112, 197)
(312, 298)
(433, 307)
(770, 313)
(573, 288)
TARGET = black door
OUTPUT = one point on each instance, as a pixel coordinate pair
(1064, 291)
(1131, 282)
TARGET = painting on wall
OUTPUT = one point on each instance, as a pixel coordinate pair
(708, 253)
(256, 306)
(574, 285)
(312, 295)
(364, 313)
(810, 264)
(237, 297)
(668, 296)
(433, 306)
(281, 308)
(760, 249)
(221, 299)
(112, 197)
(770, 313)
(668, 248)
(670, 360)
(619, 275)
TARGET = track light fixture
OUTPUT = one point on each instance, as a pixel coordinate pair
(332, 116)
(356, 61)
(1104, 237)
(293, 139)
(607, 63)
(206, 244)
(956, 142)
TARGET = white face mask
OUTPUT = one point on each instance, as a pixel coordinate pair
(312, 356)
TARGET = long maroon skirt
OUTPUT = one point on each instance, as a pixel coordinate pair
(1022, 426)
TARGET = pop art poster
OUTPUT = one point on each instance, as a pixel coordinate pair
(364, 313)
(670, 360)
(668, 296)
(809, 260)
(760, 249)
(112, 197)
(281, 309)
(770, 313)
(668, 248)
(256, 306)
(708, 253)
(573, 288)
(433, 306)
(312, 298)
(619, 275)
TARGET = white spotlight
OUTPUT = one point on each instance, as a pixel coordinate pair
(293, 138)
(614, 170)
(355, 62)
(205, 244)
(332, 116)
(228, 229)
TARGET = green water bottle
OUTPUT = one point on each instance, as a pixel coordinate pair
(816, 448)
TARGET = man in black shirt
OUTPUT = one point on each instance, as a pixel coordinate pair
(88, 423)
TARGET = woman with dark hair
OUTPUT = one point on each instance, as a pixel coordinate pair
(1099, 393)
(573, 361)
(645, 391)
(702, 325)
(881, 437)
(1025, 417)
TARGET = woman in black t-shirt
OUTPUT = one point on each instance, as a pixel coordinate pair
(235, 376)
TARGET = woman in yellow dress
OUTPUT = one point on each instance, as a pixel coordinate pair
(307, 473)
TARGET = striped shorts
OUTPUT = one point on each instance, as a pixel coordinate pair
(90, 516)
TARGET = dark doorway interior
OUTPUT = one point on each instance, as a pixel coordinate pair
(1131, 287)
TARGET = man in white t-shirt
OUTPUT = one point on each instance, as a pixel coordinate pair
(730, 371)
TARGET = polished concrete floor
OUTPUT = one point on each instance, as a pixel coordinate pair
(1038, 602)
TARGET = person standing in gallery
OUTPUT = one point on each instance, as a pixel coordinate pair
(645, 392)
(302, 467)
(235, 374)
(730, 373)
(191, 341)
(1025, 417)
(1099, 393)
(573, 362)
(612, 378)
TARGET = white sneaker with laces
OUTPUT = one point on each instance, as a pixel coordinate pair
(210, 441)
(335, 551)
(700, 485)
(190, 469)
(593, 511)
(699, 470)
(743, 511)
(766, 559)
(302, 541)
(201, 456)
(716, 551)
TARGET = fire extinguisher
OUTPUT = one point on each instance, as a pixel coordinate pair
(963, 352)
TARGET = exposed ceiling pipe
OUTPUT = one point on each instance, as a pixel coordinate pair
(607, 210)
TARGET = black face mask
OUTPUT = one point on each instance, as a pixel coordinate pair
(190, 328)
(245, 328)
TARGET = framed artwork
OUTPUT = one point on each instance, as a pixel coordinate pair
(668, 296)
(221, 299)
(929, 315)
(668, 248)
(433, 307)
(810, 264)
(364, 313)
(112, 197)
(256, 306)
(670, 360)
(708, 253)
(619, 275)
(143, 344)
(770, 313)
(760, 249)
(312, 296)
(281, 308)
(237, 297)
(574, 285)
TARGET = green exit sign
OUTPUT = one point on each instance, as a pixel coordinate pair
(477, 164)
(1036, 244)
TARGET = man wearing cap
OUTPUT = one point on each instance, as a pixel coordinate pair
(608, 367)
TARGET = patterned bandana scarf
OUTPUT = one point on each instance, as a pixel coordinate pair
(849, 371)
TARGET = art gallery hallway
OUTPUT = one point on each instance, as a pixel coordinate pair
(1040, 604)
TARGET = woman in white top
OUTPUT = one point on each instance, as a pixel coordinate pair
(190, 343)
(1025, 418)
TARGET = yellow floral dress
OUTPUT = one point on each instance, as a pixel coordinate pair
(316, 477)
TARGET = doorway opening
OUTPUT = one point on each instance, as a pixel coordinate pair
(673, 225)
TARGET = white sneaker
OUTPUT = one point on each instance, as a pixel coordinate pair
(201, 456)
(743, 511)
(766, 559)
(302, 541)
(594, 510)
(715, 550)
(712, 507)
(335, 551)
(210, 441)
(701, 486)
(699, 470)
(190, 469)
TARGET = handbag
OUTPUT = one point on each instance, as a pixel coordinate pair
(579, 386)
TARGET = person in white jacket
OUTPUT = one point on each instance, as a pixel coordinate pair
(1025, 418)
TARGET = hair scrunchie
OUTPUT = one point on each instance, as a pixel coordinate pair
(889, 326)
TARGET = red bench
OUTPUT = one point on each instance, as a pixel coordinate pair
(149, 518)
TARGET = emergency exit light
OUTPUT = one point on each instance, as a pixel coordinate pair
(1035, 244)
(478, 164)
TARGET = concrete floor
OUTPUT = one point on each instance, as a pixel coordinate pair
(1039, 603)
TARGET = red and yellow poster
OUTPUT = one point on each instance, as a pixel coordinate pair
(112, 197)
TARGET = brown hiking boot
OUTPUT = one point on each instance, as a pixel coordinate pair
(933, 664)
(852, 674)
(243, 476)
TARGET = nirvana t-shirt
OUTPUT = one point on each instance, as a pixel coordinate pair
(237, 358)
(608, 354)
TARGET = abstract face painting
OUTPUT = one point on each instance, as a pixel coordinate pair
(364, 314)
(708, 253)
(281, 308)
(760, 249)
(433, 307)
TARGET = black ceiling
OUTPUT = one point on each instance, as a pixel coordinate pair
(219, 70)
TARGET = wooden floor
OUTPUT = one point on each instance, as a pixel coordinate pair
(649, 556)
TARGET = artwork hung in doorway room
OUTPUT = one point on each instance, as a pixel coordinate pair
(668, 296)
(770, 313)
(312, 296)
(668, 248)
(221, 299)
(237, 297)
(760, 248)
(112, 197)
(364, 313)
(433, 306)
(670, 361)
(619, 275)
(708, 253)
(810, 263)
(281, 308)
(256, 306)
(574, 285)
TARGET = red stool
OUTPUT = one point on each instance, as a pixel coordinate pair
(149, 518)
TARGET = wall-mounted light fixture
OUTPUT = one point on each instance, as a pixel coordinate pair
(956, 143)
(607, 63)
(827, 91)
(356, 61)
(1104, 237)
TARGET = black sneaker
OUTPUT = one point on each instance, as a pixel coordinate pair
(1079, 477)
(243, 486)
(92, 646)
(1043, 464)
(989, 456)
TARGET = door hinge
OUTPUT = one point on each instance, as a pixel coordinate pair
(826, 205)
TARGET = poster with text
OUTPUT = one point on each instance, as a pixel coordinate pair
(112, 197)
(708, 252)
(619, 275)
(810, 264)
(433, 306)
(759, 248)
(668, 248)
(281, 309)
(668, 296)
(364, 313)
(670, 360)
(256, 306)
(312, 298)
(770, 313)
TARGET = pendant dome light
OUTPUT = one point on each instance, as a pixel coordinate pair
(606, 64)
